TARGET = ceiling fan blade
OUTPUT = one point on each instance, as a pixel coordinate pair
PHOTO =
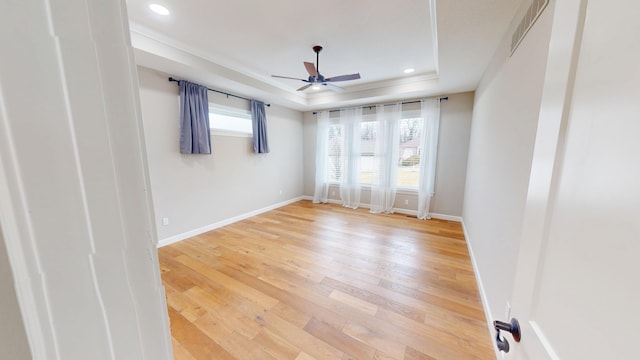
(304, 87)
(344, 77)
(333, 87)
(287, 77)
(311, 69)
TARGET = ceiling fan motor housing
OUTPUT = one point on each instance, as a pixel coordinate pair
(319, 78)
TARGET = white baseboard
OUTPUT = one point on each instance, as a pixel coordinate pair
(483, 294)
(447, 217)
(204, 229)
(397, 210)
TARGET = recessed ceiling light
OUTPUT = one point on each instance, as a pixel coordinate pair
(159, 9)
(409, 70)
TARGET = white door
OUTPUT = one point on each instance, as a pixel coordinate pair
(577, 291)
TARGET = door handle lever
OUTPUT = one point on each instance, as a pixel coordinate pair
(512, 327)
(503, 344)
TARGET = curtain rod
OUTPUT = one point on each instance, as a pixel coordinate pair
(403, 103)
(220, 92)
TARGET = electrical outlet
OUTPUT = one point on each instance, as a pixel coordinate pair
(406, 202)
(280, 191)
(333, 193)
(165, 221)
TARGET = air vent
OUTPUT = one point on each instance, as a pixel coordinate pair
(533, 12)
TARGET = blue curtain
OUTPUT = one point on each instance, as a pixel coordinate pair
(259, 119)
(195, 136)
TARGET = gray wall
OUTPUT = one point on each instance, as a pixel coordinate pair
(453, 146)
(195, 191)
(13, 339)
(503, 132)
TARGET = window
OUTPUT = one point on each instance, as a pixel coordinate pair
(335, 144)
(368, 161)
(408, 174)
(230, 121)
(409, 153)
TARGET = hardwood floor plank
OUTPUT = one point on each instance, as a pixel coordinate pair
(299, 301)
(375, 299)
(381, 343)
(354, 302)
(304, 356)
(413, 354)
(309, 281)
(349, 345)
(249, 349)
(228, 282)
(301, 339)
(445, 299)
(194, 340)
(286, 312)
(276, 345)
(232, 319)
(179, 351)
(190, 310)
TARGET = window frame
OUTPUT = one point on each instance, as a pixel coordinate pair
(229, 112)
(333, 122)
(411, 114)
(400, 189)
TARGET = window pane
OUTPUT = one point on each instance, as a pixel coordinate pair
(368, 133)
(409, 154)
(225, 120)
(335, 143)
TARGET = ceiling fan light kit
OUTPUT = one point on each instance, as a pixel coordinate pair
(316, 79)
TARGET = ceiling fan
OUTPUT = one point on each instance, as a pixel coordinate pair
(315, 78)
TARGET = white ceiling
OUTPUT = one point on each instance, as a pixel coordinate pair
(237, 45)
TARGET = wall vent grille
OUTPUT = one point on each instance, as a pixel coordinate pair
(533, 12)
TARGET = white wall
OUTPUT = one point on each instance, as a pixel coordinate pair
(195, 191)
(505, 117)
(453, 146)
(13, 339)
(75, 209)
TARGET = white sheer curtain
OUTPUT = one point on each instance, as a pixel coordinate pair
(350, 119)
(385, 155)
(321, 194)
(430, 110)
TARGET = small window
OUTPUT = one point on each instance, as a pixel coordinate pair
(230, 121)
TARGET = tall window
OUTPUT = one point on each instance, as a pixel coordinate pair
(408, 155)
(335, 144)
(368, 133)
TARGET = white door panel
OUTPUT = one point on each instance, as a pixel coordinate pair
(578, 280)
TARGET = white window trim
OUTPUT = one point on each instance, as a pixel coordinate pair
(230, 133)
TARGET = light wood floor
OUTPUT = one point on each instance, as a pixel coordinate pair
(322, 282)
